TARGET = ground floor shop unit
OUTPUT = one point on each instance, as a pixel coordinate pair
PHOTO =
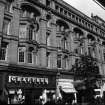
(66, 89)
(26, 85)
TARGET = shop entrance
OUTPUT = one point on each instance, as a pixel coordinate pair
(32, 95)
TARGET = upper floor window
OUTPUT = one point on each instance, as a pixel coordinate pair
(30, 55)
(64, 43)
(59, 61)
(3, 51)
(104, 55)
(21, 54)
(48, 39)
(66, 62)
(31, 32)
(48, 3)
(22, 31)
(48, 59)
(6, 26)
(9, 6)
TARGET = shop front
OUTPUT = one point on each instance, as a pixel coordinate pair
(66, 89)
(28, 89)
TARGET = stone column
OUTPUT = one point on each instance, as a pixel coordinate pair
(72, 46)
(85, 43)
(53, 42)
(14, 29)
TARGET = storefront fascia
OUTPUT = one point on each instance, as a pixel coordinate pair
(20, 83)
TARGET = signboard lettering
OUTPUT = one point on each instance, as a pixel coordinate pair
(21, 79)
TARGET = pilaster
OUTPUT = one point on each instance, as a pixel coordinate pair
(14, 29)
(42, 39)
(2, 7)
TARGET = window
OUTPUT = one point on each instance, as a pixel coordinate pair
(3, 51)
(8, 6)
(48, 39)
(66, 62)
(89, 51)
(22, 31)
(31, 32)
(57, 8)
(48, 3)
(61, 10)
(30, 55)
(22, 54)
(6, 27)
(59, 61)
(58, 42)
(104, 55)
(48, 59)
(64, 43)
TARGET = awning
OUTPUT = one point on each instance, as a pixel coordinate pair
(67, 85)
(69, 90)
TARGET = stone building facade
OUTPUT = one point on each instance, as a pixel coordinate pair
(39, 38)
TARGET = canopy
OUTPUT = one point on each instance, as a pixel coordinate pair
(67, 85)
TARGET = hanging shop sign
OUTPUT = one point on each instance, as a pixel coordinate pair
(27, 80)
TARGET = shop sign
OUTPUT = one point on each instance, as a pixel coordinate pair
(21, 79)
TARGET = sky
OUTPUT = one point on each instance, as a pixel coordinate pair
(87, 7)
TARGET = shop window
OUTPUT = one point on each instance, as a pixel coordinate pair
(59, 61)
(22, 31)
(6, 27)
(30, 55)
(3, 51)
(21, 55)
